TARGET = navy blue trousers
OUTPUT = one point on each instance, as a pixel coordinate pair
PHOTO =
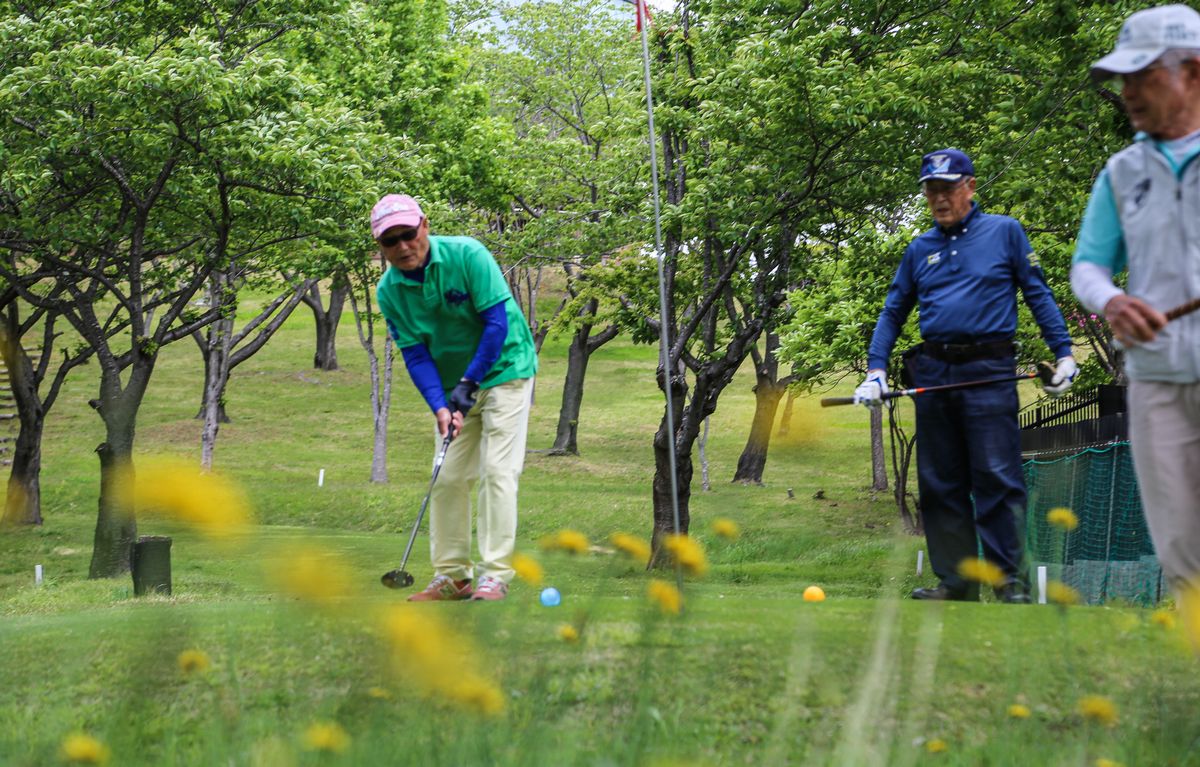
(969, 447)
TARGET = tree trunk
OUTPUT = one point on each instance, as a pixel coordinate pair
(768, 390)
(381, 404)
(579, 353)
(205, 347)
(785, 421)
(381, 385)
(754, 456)
(327, 321)
(23, 504)
(664, 514)
(216, 370)
(116, 524)
(879, 479)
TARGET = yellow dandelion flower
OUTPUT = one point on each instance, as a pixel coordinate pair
(666, 596)
(570, 541)
(439, 662)
(726, 528)
(176, 489)
(326, 736)
(310, 574)
(379, 693)
(936, 746)
(981, 571)
(1019, 711)
(1189, 612)
(1164, 618)
(1061, 594)
(194, 662)
(84, 749)
(1098, 709)
(568, 633)
(634, 547)
(687, 552)
(477, 694)
(528, 569)
(1102, 762)
(1063, 519)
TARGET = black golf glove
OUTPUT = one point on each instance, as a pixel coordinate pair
(462, 397)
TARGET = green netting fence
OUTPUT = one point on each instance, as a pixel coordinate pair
(1109, 555)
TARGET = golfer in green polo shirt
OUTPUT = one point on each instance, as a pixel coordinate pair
(470, 354)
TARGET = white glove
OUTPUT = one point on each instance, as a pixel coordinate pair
(870, 392)
(1064, 375)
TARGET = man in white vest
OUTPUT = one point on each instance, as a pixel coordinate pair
(1144, 217)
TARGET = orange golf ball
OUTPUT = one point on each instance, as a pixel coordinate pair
(814, 594)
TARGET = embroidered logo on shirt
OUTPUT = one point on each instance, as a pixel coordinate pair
(1138, 196)
(933, 258)
(456, 297)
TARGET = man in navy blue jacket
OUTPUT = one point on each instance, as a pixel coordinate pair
(963, 275)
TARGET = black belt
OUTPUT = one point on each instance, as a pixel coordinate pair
(969, 352)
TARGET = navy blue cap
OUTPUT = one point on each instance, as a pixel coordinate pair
(946, 165)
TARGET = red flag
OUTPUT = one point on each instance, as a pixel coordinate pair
(642, 8)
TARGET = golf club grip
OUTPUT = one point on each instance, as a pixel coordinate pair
(832, 401)
(1183, 309)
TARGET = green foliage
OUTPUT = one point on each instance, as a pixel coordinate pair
(1009, 86)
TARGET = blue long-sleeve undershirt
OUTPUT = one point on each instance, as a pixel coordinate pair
(423, 370)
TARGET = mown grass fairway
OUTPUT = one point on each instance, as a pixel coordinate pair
(749, 674)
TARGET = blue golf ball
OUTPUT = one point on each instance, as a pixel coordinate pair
(550, 597)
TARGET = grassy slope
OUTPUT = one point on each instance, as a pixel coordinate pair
(750, 675)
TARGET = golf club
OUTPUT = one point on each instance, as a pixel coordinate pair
(401, 578)
(1182, 309)
(1045, 372)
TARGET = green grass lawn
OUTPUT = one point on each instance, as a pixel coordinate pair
(749, 674)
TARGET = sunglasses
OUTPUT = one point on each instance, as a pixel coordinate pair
(408, 235)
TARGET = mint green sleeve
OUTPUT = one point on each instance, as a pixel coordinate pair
(1101, 240)
(487, 284)
(397, 327)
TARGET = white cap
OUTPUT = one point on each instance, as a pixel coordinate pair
(1148, 34)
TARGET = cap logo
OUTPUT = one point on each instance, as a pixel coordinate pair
(1178, 33)
(390, 207)
(939, 163)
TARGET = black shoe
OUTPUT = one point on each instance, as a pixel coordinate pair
(1013, 593)
(941, 592)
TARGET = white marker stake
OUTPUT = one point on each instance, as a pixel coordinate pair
(1041, 584)
(37, 575)
(920, 561)
(321, 478)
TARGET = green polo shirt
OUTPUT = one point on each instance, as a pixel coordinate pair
(462, 279)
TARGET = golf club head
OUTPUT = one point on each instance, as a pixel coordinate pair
(397, 579)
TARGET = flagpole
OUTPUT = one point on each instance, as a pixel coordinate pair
(664, 330)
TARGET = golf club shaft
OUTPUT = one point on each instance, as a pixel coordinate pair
(1183, 309)
(437, 467)
(831, 401)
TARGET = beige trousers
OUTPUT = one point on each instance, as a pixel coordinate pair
(1164, 430)
(490, 450)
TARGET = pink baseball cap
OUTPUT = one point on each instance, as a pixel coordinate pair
(394, 210)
